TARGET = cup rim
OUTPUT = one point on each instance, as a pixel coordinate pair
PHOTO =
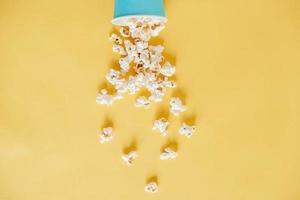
(121, 21)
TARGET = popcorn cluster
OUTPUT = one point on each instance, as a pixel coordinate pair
(142, 66)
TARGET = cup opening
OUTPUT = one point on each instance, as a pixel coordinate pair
(124, 20)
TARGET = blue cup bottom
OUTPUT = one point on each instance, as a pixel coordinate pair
(123, 21)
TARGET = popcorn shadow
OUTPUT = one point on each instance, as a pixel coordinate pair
(181, 94)
(131, 147)
(131, 72)
(108, 123)
(189, 119)
(143, 92)
(105, 85)
(114, 29)
(114, 64)
(172, 143)
(170, 58)
(157, 41)
(152, 178)
(162, 112)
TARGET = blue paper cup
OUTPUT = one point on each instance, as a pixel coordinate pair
(126, 9)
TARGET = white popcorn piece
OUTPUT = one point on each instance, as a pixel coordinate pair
(156, 96)
(116, 39)
(151, 187)
(125, 63)
(113, 76)
(167, 69)
(130, 48)
(124, 31)
(187, 130)
(105, 98)
(156, 29)
(156, 50)
(142, 102)
(141, 45)
(176, 106)
(106, 135)
(132, 86)
(161, 125)
(143, 57)
(169, 84)
(130, 157)
(168, 153)
(118, 49)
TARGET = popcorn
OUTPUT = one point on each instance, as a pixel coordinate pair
(106, 135)
(168, 153)
(116, 39)
(156, 29)
(118, 49)
(105, 98)
(113, 76)
(156, 96)
(125, 63)
(156, 50)
(161, 125)
(167, 69)
(150, 70)
(142, 66)
(130, 48)
(141, 45)
(169, 84)
(142, 102)
(130, 157)
(151, 187)
(132, 86)
(124, 31)
(187, 130)
(176, 106)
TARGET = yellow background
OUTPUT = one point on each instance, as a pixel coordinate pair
(238, 69)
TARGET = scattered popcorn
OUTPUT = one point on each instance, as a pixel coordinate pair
(151, 187)
(142, 66)
(161, 125)
(142, 102)
(130, 157)
(176, 106)
(187, 130)
(168, 153)
(106, 135)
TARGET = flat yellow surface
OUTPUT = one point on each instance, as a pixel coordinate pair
(238, 67)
